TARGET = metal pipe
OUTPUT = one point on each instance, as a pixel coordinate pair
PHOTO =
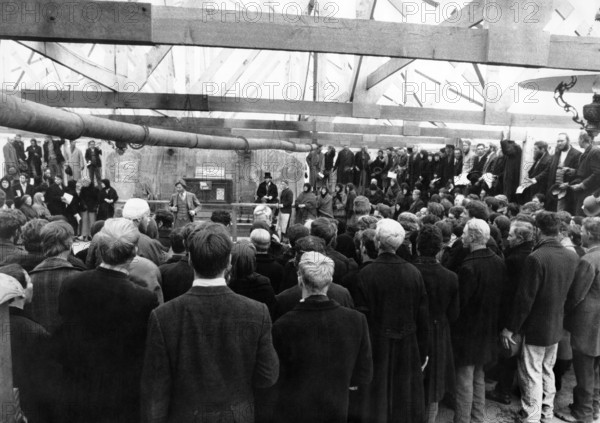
(25, 115)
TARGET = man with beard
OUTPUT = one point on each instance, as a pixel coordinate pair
(377, 167)
(587, 177)
(582, 314)
(468, 157)
(538, 173)
(561, 171)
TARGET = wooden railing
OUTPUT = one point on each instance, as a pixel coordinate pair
(236, 209)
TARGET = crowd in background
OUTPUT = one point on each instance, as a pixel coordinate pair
(372, 306)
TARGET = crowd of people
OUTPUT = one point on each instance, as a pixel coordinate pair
(358, 311)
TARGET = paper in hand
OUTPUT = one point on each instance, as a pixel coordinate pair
(68, 197)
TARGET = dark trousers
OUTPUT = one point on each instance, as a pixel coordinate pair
(95, 172)
(507, 369)
(586, 395)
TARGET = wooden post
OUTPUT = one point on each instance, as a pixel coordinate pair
(7, 401)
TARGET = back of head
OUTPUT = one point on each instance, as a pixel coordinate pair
(366, 222)
(368, 239)
(164, 218)
(135, 209)
(295, 232)
(263, 213)
(477, 210)
(261, 240)
(309, 243)
(409, 221)
(591, 225)
(436, 209)
(362, 205)
(221, 216)
(177, 241)
(503, 224)
(57, 237)
(324, 228)
(32, 235)
(446, 229)
(243, 259)
(10, 223)
(316, 271)
(523, 231)
(390, 235)
(479, 230)
(96, 227)
(548, 223)
(384, 210)
(117, 241)
(210, 250)
(429, 242)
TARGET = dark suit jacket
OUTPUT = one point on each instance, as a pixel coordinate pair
(256, 287)
(53, 200)
(101, 344)
(538, 309)
(264, 190)
(323, 349)
(56, 145)
(177, 278)
(343, 264)
(582, 309)
(571, 161)
(267, 266)
(588, 171)
(206, 352)
(290, 298)
(481, 278)
(18, 190)
(539, 171)
(88, 156)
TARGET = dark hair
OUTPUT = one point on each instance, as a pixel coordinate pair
(10, 222)
(307, 185)
(57, 237)
(324, 228)
(435, 198)
(430, 219)
(31, 233)
(429, 241)
(436, 209)
(350, 187)
(309, 243)
(106, 182)
(368, 239)
(564, 216)
(96, 227)
(243, 259)
(492, 203)
(295, 232)
(456, 211)
(477, 210)
(541, 197)
(210, 250)
(177, 241)
(548, 223)
(384, 210)
(221, 216)
(503, 224)
(17, 272)
(150, 229)
(512, 209)
(446, 229)
(165, 217)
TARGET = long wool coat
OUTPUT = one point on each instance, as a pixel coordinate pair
(512, 168)
(475, 333)
(323, 349)
(392, 294)
(442, 295)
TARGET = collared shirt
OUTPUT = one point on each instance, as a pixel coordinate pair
(183, 195)
(116, 268)
(209, 282)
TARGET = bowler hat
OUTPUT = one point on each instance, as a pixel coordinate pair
(591, 207)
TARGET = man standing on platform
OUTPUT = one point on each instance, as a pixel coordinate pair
(538, 173)
(267, 191)
(587, 177)
(53, 157)
(285, 211)
(562, 170)
(11, 160)
(183, 204)
(93, 161)
(344, 165)
(316, 164)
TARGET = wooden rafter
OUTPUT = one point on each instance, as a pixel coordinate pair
(199, 27)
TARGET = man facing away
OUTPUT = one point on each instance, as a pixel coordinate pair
(324, 350)
(208, 349)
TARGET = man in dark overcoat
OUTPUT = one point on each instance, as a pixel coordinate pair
(209, 349)
(582, 319)
(101, 338)
(538, 172)
(392, 294)
(511, 175)
(481, 279)
(344, 165)
(324, 350)
(537, 314)
(267, 191)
